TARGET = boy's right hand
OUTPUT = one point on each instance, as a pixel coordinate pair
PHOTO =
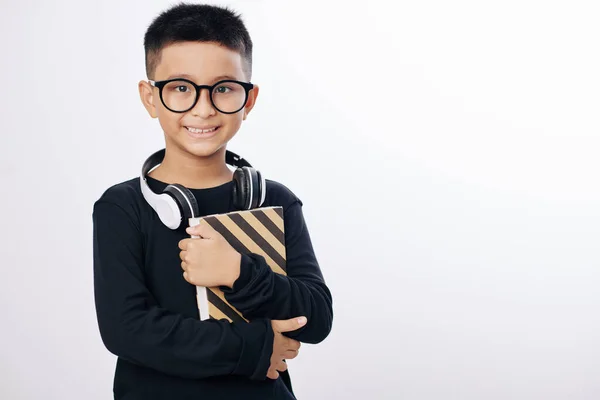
(284, 348)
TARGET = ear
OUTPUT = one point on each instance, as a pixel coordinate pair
(147, 96)
(252, 95)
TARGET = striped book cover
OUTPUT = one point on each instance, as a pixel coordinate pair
(260, 231)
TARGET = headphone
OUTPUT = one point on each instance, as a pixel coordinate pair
(177, 203)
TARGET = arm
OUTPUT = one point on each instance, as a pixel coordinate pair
(261, 293)
(134, 327)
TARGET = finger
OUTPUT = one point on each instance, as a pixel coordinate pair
(292, 344)
(281, 366)
(204, 230)
(290, 354)
(272, 373)
(185, 276)
(184, 266)
(289, 325)
(183, 254)
(192, 230)
(183, 244)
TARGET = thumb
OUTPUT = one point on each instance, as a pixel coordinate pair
(203, 229)
(289, 325)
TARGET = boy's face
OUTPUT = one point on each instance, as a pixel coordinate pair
(204, 64)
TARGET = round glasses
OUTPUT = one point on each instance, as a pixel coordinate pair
(180, 95)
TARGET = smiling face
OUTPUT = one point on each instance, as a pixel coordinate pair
(202, 131)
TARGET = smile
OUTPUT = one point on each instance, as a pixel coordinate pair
(199, 130)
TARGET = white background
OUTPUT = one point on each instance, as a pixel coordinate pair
(446, 153)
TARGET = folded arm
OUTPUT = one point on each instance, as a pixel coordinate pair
(261, 293)
(134, 327)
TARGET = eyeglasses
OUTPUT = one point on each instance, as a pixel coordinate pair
(180, 95)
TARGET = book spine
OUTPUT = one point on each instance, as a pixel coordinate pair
(201, 296)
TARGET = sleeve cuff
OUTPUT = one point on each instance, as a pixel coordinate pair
(246, 266)
(257, 348)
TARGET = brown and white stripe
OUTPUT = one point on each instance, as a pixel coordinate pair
(259, 231)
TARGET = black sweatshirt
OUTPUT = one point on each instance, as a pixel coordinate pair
(148, 316)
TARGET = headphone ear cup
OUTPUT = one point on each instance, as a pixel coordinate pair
(248, 192)
(241, 189)
(168, 211)
(254, 177)
(185, 199)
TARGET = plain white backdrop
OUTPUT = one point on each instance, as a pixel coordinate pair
(446, 154)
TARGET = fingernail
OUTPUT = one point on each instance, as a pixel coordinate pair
(301, 320)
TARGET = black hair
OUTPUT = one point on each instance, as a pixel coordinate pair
(197, 23)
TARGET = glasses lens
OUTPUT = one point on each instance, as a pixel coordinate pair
(179, 95)
(229, 97)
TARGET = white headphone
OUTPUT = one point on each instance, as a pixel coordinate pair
(177, 203)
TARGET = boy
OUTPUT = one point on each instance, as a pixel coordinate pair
(145, 273)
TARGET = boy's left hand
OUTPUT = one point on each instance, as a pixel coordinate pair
(209, 260)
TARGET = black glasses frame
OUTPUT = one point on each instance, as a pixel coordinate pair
(161, 84)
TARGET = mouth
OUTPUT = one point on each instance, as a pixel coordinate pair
(202, 132)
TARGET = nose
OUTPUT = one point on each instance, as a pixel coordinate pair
(203, 107)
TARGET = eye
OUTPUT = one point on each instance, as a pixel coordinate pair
(222, 89)
(182, 87)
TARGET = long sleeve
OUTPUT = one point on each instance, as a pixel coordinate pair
(261, 293)
(134, 327)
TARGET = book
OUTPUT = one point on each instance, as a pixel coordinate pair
(260, 231)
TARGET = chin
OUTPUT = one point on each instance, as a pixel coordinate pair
(200, 147)
(203, 150)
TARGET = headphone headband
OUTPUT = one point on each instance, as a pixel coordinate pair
(233, 159)
(177, 203)
(230, 158)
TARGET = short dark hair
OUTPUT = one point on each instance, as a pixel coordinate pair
(197, 23)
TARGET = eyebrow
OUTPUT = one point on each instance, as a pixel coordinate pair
(187, 76)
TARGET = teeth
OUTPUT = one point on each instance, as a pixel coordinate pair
(195, 130)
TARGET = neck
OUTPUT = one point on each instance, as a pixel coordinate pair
(192, 171)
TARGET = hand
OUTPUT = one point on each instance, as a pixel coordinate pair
(209, 260)
(284, 348)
